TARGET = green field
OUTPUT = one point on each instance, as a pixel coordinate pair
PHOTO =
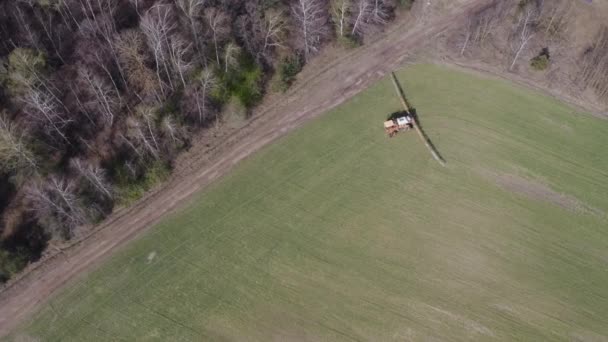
(336, 232)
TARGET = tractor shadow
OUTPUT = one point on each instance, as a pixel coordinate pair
(414, 113)
(397, 114)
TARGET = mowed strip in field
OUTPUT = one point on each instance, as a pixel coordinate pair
(336, 232)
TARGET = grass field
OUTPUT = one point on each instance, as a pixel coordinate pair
(336, 232)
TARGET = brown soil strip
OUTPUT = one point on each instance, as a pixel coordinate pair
(539, 192)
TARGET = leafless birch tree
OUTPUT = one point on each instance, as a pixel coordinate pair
(207, 82)
(43, 109)
(341, 11)
(102, 13)
(362, 12)
(142, 133)
(172, 130)
(104, 101)
(94, 176)
(274, 30)
(56, 205)
(231, 53)
(218, 23)
(310, 17)
(182, 63)
(556, 17)
(157, 26)
(525, 30)
(381, 12)
(192, 10)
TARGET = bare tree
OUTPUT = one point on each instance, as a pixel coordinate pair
(525, 29)
(362, 12)
(192, 9)
(56, 205)
(381, 12)
(102, 14)
(197, 102)
(231, 53)
(64, 10)
(555, 20)
(132, 56)
(104, 100)
(482, 23)
(207, 82)
(150, 127)
(467, 39)
(218, 23)
(45, 20)
(44, 111)
(261, 31)
(179, 53)
(310, 18)
(274, 29)
(594, 65)
(172, 130)
(157, 27)
(94, 176)
(24, 24)
(341, 11)
(80, 104)
(32, 77)
(127, 140)
(142, 135)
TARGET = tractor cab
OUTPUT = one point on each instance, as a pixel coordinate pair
(400, 123)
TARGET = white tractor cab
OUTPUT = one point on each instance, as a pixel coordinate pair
(401, 123)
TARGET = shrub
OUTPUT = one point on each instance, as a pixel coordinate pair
(129, 188)
(23, 67)
(541, 62)
(244, 82)
(288, 69)
(349, 42)
(249, 90)
(11, 263)
(24, 244)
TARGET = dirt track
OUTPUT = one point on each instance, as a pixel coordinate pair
(319, 89)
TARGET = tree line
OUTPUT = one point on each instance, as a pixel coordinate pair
(97, 97)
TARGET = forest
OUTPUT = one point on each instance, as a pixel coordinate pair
(98, 97)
